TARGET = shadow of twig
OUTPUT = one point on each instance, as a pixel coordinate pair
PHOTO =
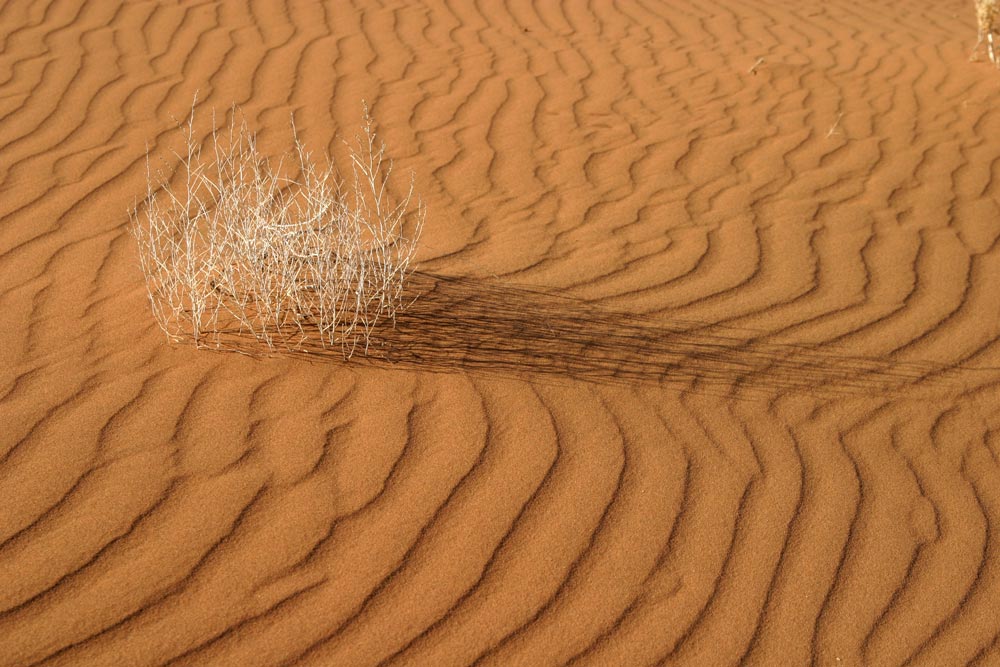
(461, 324)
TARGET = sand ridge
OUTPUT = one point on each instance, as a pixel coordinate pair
(703, 368)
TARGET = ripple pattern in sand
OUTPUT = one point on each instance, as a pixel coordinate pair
(704, 370)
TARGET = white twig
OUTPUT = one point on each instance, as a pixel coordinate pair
(241, 246)
(836, 124)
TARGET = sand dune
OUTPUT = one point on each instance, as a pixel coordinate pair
(703, 367)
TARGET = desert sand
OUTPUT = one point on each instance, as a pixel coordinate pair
(705, 368)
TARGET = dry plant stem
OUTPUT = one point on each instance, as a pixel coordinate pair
(836, 124)
(987, 13)
(241, 247)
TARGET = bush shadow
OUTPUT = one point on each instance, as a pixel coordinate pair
(472, 325)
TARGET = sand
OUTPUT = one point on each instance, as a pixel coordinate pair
(706, 370)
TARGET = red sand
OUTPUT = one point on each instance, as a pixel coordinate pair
(764, 429)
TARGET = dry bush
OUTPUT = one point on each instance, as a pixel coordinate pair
(241, 247)
(987, 12)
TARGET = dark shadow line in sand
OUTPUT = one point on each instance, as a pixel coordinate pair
(473, 325)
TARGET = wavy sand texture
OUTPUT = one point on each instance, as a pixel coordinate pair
(718, 384)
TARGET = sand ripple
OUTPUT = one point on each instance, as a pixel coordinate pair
(703, 368)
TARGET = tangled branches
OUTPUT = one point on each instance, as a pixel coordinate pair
(240, 247)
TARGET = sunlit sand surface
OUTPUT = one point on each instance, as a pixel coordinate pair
(703, 367)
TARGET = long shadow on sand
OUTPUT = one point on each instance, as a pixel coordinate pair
(472, 325)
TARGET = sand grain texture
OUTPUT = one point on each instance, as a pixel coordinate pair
(704, 370)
